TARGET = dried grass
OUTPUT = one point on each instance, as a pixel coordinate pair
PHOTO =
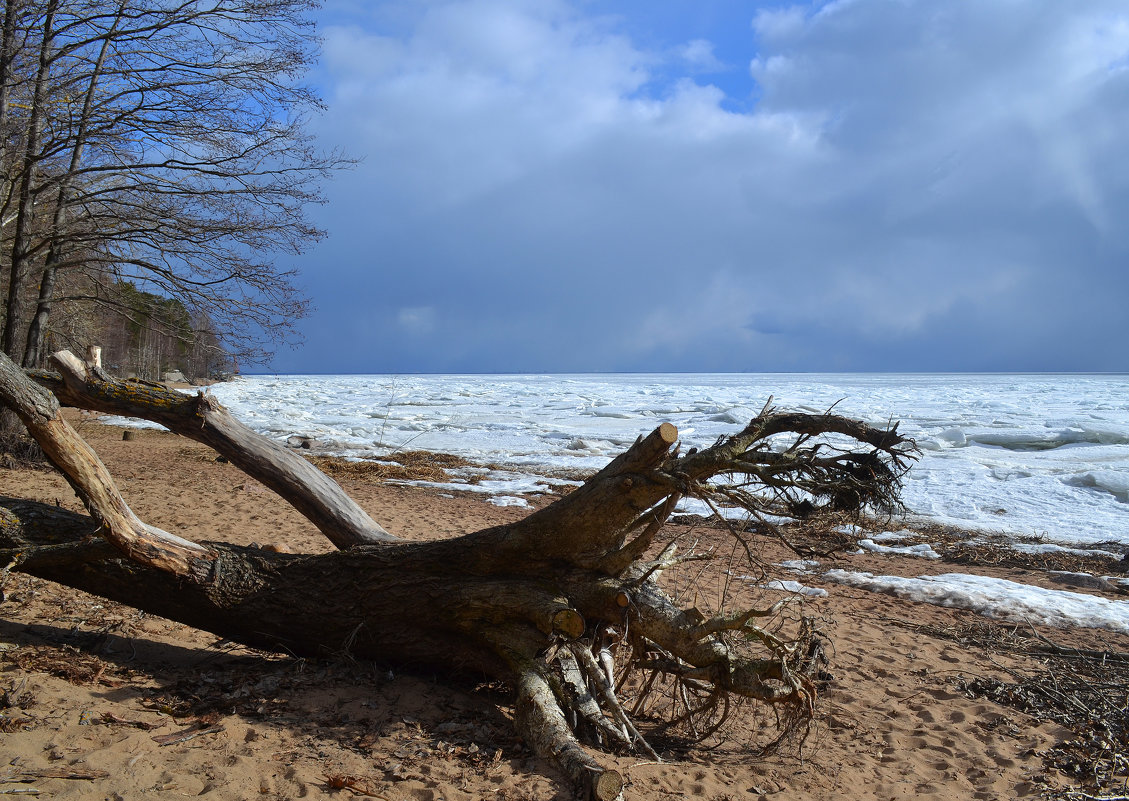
(1084, 690)
(20, 452)
(65, 662)
(401, 466)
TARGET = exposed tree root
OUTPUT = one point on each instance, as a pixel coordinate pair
(566, 604)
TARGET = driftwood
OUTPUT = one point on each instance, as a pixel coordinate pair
(201, 418)
(534, 603)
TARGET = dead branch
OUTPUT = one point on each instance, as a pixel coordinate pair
(534, 603)
(145, 544)
(199, 417)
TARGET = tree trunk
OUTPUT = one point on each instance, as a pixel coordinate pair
(21, 249)
(533, 603)
(7, 56)
(34, 351)
(199, 417)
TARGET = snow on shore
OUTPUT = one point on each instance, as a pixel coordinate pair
(996, 598)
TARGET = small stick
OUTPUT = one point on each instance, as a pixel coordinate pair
(54, 773)
(596, 676)
(185, 735)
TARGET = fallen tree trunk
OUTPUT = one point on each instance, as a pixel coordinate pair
(200, 417)
(559, 604)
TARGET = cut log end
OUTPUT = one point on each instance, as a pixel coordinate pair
(608, 786)
(668, 432)
(569, 623)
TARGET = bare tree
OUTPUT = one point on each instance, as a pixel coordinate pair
(23, 180)
(58, 242)
(162, 142)
(565, 605)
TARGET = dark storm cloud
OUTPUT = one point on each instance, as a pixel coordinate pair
(917, 186)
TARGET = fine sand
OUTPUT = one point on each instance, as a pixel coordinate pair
(100, 701)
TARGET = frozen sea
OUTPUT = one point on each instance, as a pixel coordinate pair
(1023, 455)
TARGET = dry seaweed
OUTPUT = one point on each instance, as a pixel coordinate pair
(401, 466)
(961, 547)
(1083, 690)
(982, 554)
(65, 662)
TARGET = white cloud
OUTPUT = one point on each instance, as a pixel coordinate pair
(770, 23)
(698, 54)
(417, 319)
(932, 168)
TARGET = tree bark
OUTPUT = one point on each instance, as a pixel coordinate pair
(21, 249)
(34, 348)
(201, 418)
(528, 603)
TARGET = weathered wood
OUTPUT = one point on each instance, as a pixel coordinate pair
(416, 605)
(200, 417)
(144, 544)
(599, 515)
(542, 724)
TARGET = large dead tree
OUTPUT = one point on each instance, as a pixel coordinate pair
(561, 604)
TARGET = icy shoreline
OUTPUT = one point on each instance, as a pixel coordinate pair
(1018, 455)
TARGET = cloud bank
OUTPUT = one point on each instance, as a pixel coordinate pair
(852, 185)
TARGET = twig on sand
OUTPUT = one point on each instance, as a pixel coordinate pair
(33, 774)
(185, 735)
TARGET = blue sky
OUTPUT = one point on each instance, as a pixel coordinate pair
(555, 186)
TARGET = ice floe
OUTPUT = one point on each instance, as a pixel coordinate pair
(795, 587)
(997, 598)
(1019, 455)
(924, 551)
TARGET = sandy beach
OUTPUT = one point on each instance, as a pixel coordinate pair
(98, 700)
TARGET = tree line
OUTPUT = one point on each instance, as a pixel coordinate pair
(148, 336)
(154, 168)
